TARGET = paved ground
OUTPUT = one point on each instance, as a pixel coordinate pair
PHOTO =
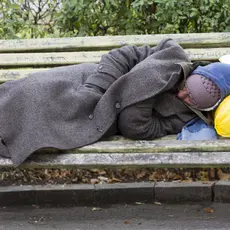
(137, 216)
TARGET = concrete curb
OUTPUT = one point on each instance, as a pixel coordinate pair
(100, 194)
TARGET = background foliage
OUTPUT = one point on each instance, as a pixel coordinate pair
(59, 18)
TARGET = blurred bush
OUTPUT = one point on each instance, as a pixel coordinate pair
(59, 18)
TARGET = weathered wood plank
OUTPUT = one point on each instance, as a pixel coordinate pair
(157, 160)
(68, 58)
(126, 153)
(210, 54)
(108, 42)
(49, 59)
(14, 74)
(155, 146)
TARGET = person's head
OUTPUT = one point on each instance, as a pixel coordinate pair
(207, 86)
(200, 92)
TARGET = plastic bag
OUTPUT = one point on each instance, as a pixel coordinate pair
(222, 118)
(225, 59)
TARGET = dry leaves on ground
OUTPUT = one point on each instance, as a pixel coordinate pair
(99, 176)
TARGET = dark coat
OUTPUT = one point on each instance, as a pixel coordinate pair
(58, 109)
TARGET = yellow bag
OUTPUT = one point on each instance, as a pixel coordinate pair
(222, 118)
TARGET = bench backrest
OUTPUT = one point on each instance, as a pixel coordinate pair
(20, 57)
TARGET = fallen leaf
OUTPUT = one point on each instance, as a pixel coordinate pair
(203, 175)
(208, 210)
(173, 176)
(157, 203)
(85, 180)
(102, 178)
(94, 181)
(95, 170)
(212, 174)
(141, 174)
(114, 179)
(223, 176)
(102, 172)
(129, 172)
(127, 222)
(187, 175)
(96, 209)
(205, 182)
(158, 175)
(138, 203)
(186, 181)
(75, 179)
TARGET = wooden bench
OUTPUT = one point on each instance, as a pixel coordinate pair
(20, 57)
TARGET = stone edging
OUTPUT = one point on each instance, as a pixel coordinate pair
(100, 194)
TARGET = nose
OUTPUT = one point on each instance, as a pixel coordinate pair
(183, 94)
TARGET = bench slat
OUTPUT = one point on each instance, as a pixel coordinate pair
(166, 160)
(123, 153)
(49, 59)
(56, 59)
(155, 146)
(14, 74)
(108, 42)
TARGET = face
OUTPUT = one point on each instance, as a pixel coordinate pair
(183, 94)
